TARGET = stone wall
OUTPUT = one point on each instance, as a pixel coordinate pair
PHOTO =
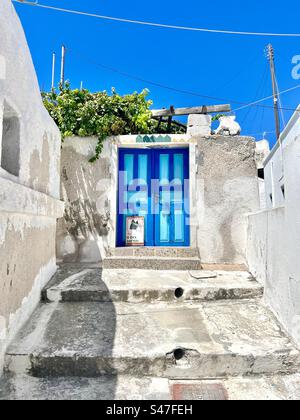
(227, 188)
(222, 192)
(88, 190)
(29, 182)
(274, 234)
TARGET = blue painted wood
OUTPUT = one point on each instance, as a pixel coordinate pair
(181, 208)
(136, 193)
(162, 205)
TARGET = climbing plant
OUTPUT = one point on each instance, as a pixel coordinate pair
(82, 113)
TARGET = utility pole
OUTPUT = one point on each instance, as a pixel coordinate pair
(63, 62)
(270, 56)
(53, 71)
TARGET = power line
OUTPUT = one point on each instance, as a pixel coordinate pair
(182, 91)
(158, 25)
(266, 98)
(244, 68)
(257, 95)
(264, 133)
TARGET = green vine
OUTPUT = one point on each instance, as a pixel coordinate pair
(85, 114)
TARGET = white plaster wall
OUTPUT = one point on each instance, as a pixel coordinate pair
(257, 249)
(274, 235)
(19, 87)
(89, 191)
(227, 191)
(29, 202)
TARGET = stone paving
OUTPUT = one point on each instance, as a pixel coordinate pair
(131, 337)
(123, 387)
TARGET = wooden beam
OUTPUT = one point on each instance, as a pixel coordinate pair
(169, 124)
(209, 109)
(159, 122)
(175, 122)
(179, 124)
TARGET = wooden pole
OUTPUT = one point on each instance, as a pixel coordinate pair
(270, 55)
(63, 62)
(53, 71)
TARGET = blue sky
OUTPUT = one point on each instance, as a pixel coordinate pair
(223, 66)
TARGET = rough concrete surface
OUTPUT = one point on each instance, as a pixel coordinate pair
(105, 388)
(89, 339)
(135, 286)
(152, 263)
(23, 387)
(227, 188)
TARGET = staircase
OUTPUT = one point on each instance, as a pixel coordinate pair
(98, 332)
(153, 258)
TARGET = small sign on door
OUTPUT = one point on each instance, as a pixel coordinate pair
(135, 231)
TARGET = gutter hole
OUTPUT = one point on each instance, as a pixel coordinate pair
(179, 354)
(179, 293)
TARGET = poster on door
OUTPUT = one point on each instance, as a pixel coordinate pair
(135, 231)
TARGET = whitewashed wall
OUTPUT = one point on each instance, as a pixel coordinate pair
(274, 234)
(29, 182)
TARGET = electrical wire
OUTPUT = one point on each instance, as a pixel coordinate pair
(269, 97)
(158, 25)
(259, 89)
(182, 91)
(243, 69)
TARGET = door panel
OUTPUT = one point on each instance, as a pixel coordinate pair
(134, 195)
(172, 169)
(153, 183)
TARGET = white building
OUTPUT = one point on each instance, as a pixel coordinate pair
(274, 234)
(29, 182)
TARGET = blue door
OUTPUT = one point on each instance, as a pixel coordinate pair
(154, 183)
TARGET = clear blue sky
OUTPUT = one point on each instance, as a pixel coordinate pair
(225, 66)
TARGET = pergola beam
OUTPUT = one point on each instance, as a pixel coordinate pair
(209, 109)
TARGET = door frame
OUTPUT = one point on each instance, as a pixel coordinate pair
(189, 232)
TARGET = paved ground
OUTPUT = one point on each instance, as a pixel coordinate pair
(128, 334)
(23, 387)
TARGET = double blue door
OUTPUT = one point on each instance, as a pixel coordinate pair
(154, 183)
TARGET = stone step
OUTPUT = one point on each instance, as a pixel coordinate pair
(138, 286)
(162, 252)
(192, 341)
(152, 263)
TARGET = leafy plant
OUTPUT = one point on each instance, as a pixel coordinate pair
(82, 113)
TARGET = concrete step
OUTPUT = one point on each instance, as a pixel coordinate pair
(138, 286)
(162, 252)
(123, 387)
(152, 263)
(192, 341)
